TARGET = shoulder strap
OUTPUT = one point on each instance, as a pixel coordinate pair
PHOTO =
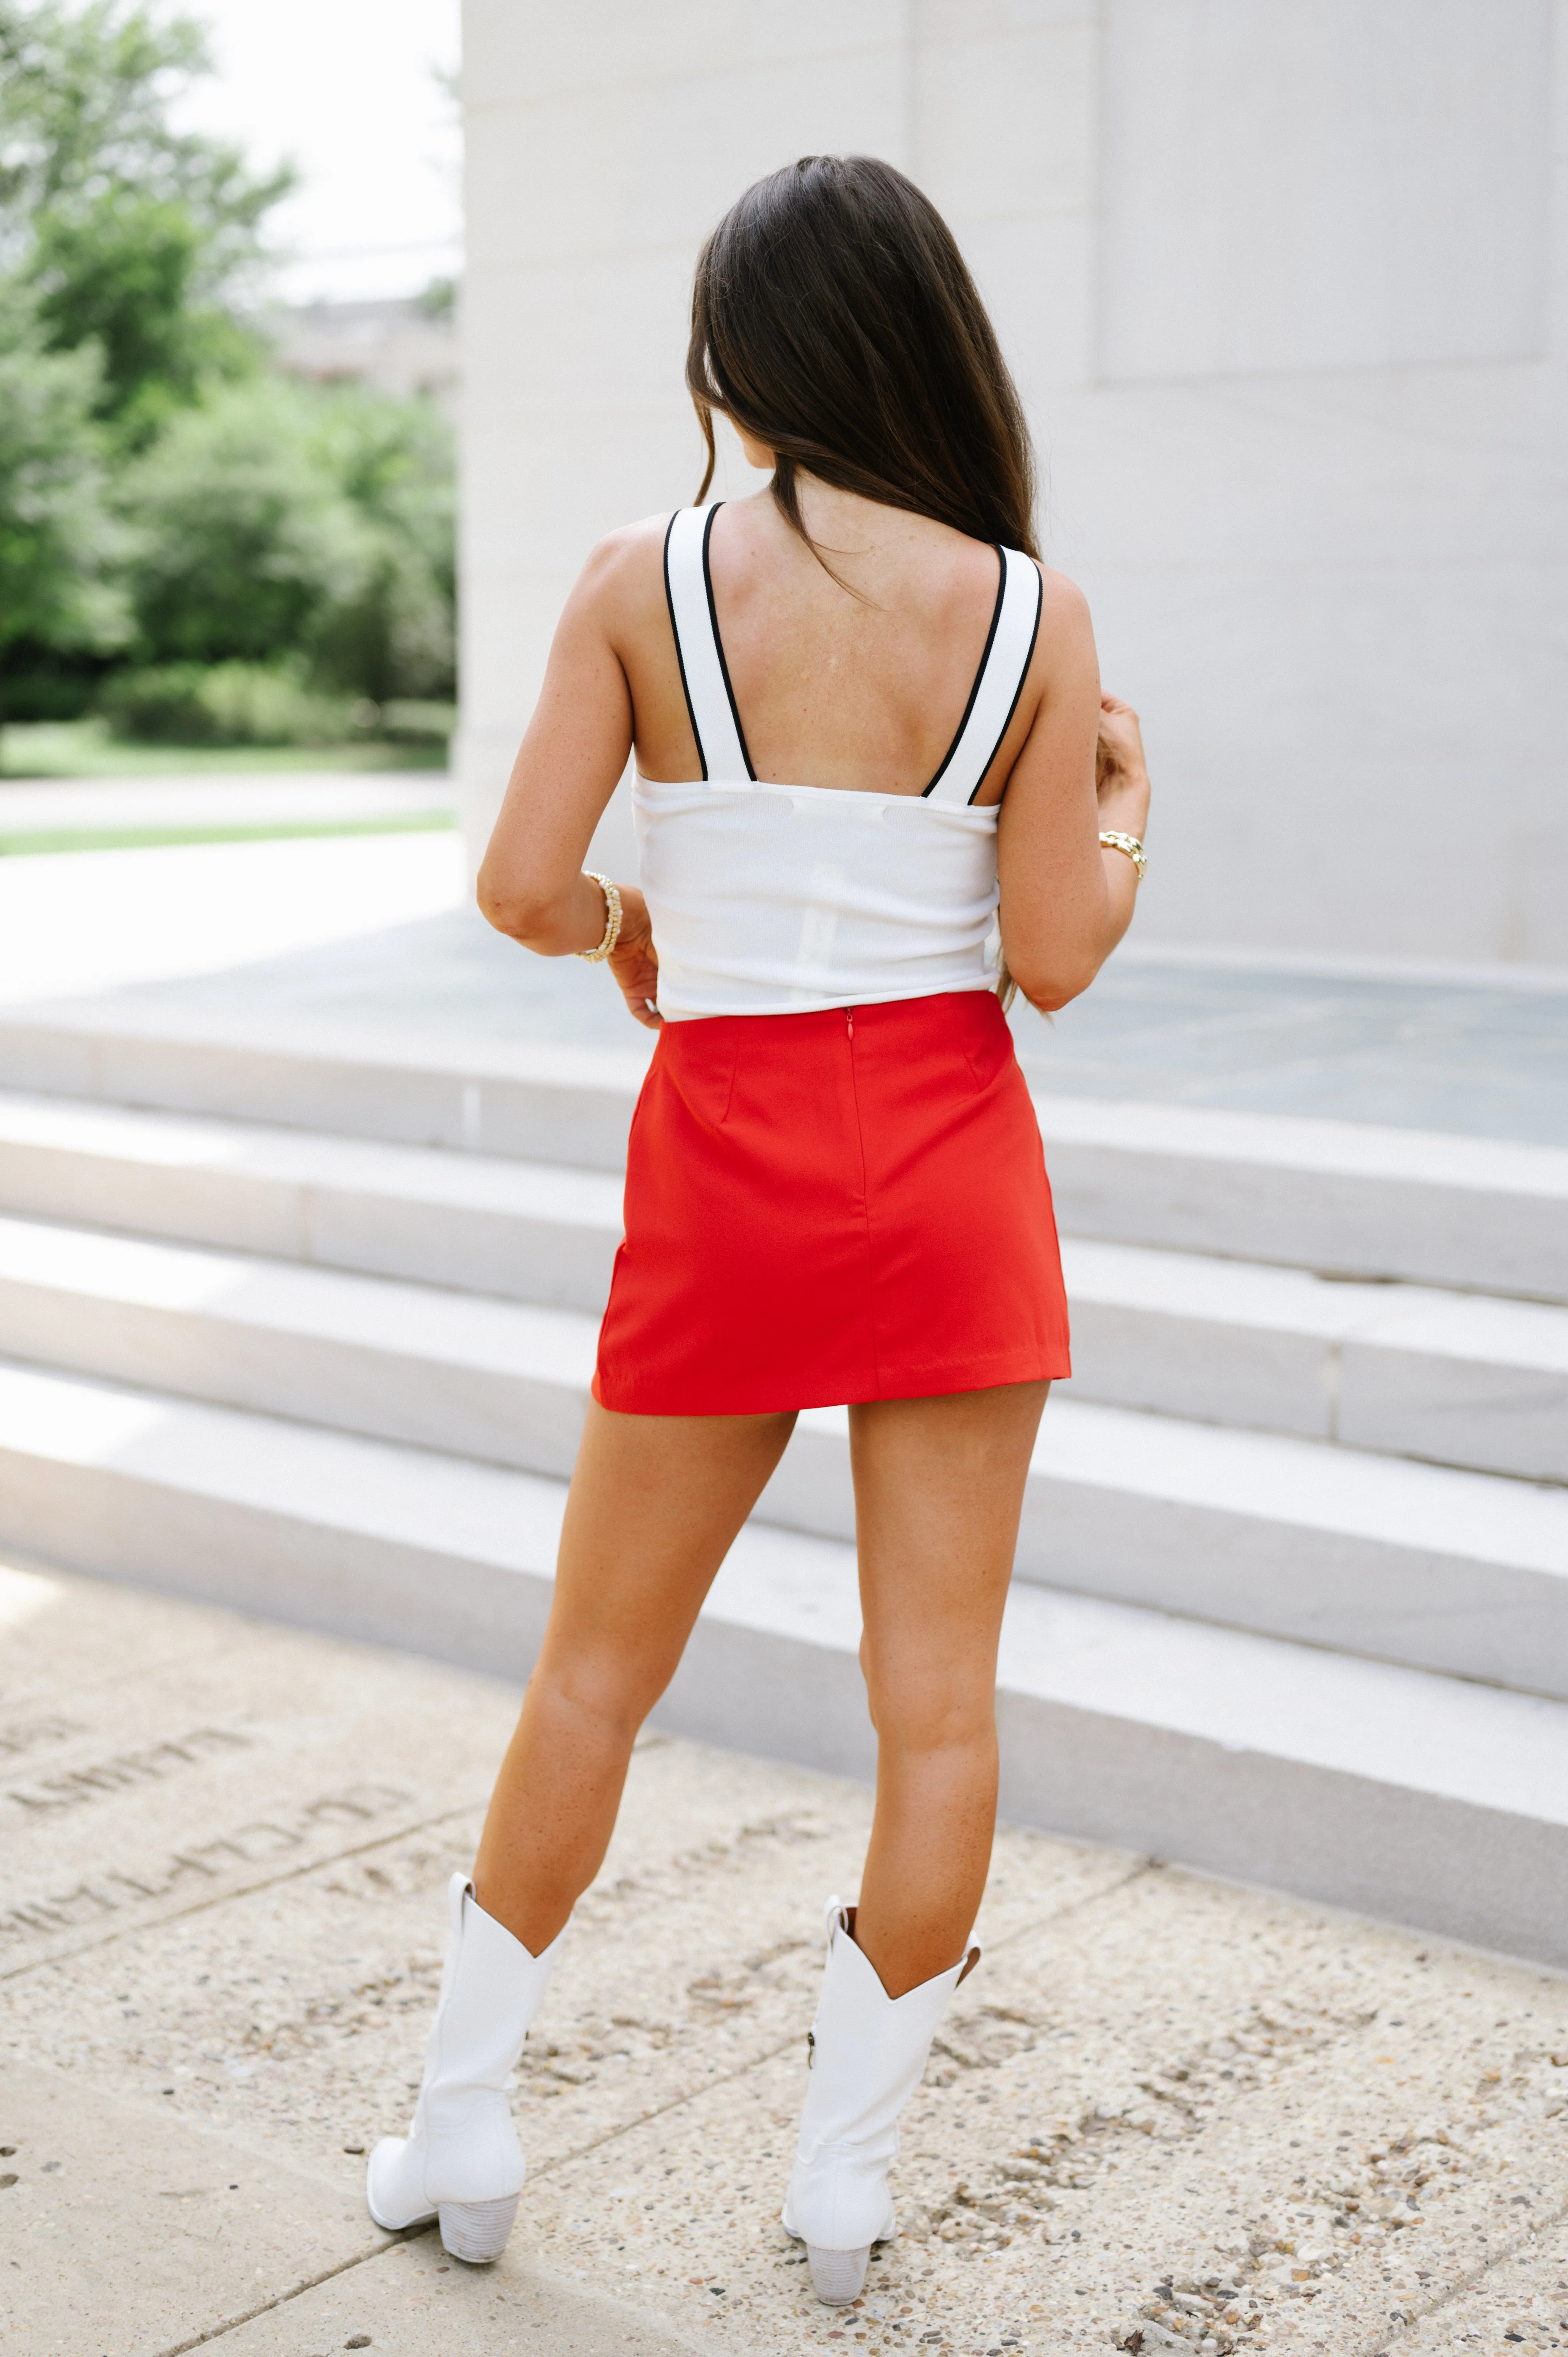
(998, 683)
(704, 675)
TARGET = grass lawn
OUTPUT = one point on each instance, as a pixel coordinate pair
(83, 748)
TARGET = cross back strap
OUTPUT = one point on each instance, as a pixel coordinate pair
(709, 699)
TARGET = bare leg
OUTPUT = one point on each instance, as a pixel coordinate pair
(938, 1487)
(655, 1504)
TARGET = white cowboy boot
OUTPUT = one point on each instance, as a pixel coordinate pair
(867, 2052)
(461, 2161)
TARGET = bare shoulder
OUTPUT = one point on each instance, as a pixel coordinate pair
(623, 580)
(1064, 608)
(1064, 649)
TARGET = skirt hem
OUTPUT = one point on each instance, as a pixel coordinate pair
(929, 1384)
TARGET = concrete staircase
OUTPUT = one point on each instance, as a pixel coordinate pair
(307, 1326)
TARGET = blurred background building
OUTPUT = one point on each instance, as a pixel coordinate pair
(1285, 286)
(401, 347)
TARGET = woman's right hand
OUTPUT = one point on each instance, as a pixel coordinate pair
(1121, 773)
(634, 961)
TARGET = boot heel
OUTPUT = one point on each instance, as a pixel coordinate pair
(837, 2277)
(477, 2231)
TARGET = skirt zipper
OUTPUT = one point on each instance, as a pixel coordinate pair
(849, 1021)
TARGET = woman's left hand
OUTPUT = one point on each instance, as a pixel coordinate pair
(634, 961)
(1120, 772)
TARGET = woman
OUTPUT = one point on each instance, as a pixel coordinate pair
(857, 701)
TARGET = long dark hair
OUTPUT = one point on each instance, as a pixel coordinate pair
(834, 318)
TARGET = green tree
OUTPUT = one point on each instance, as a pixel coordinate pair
(144, 449)
(59, 541)
(394, 460)
(277, 519)
(125, 232)
(246, 542)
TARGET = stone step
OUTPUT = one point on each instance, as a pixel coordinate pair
(1459, 1380)
(1407, 1370)
(539, 1103)
(489, 1378)
(1407, 1561)
(529, 1231)
(1421, 1799)
(1345, 1199)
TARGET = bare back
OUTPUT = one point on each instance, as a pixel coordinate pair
(859, 683)
(857, 687)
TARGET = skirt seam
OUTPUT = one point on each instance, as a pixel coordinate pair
(865, 1203)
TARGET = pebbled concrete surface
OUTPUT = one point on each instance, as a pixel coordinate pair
(1164, 2113)
(1484, 1053)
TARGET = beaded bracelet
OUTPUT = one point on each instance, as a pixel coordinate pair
(612, 918)
(1132, 846)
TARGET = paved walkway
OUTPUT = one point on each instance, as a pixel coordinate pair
(98, 920)
(101, 805)
(1164, 2106)
(1486, 1057)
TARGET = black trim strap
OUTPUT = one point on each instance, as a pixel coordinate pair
(1023, 675)
(979, 676)
(679, 658)
(719, 644)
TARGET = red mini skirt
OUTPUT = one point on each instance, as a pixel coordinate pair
(845, 1205)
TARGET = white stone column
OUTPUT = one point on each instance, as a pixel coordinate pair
(1318, 493)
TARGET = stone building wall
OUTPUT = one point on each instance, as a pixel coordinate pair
(1286, 285)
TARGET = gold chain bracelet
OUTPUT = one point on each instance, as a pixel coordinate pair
(1132, 846)
(612, 918)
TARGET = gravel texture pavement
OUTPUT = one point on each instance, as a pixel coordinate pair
(1164, 2113)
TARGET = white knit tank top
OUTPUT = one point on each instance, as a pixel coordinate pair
(776, 900)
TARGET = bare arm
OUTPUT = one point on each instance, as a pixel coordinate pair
(532, 883)
(1065, 902)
